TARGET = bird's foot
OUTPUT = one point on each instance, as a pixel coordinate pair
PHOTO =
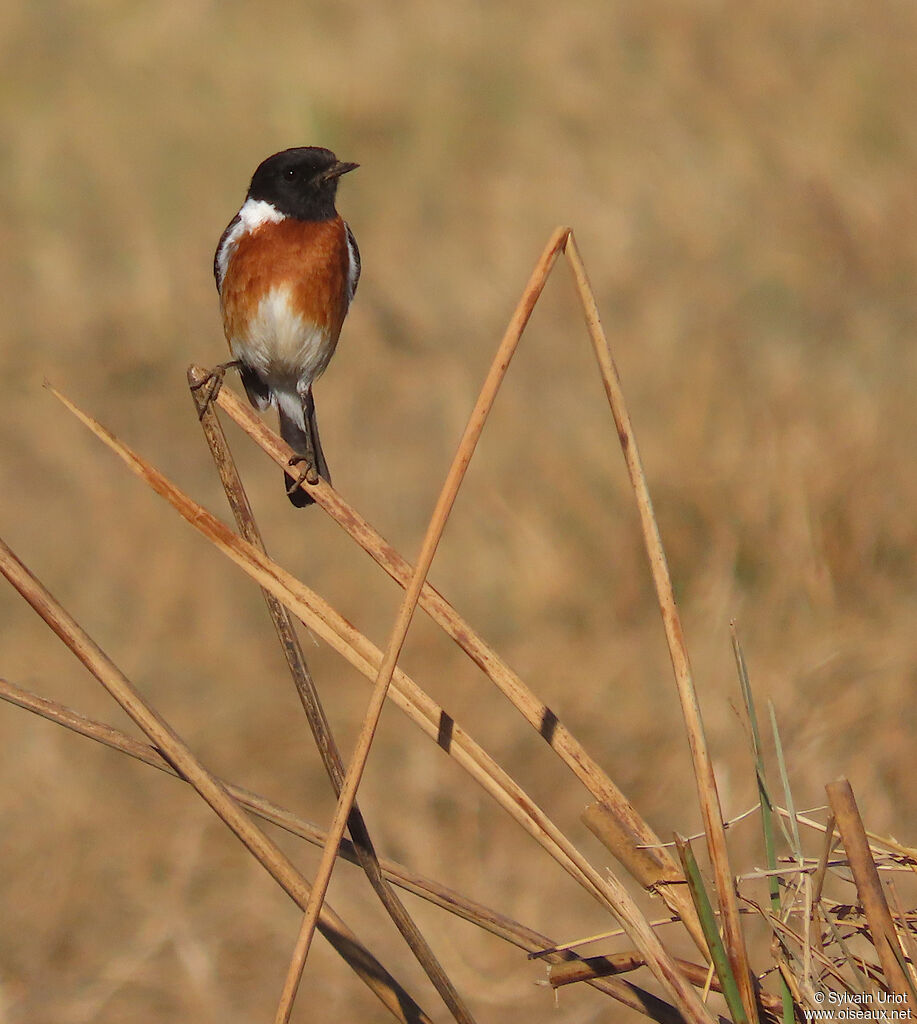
(307, 474)
(211, 384)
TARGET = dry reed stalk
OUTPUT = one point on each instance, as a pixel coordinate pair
(818, 882)
(593, 968)
(586, 939)
(822, 867)
(861, 982)
(315, 714)
(161, 734)
(866, 877)
(569, 972)
(788, 979)
(811, 866)
(905, 935)
(908, 853)
(500, 925)
(441, 727)
(708, 794)
(434, 532)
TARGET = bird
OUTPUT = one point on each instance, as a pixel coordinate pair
(286, 270)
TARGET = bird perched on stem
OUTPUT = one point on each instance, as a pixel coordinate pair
(286, 268)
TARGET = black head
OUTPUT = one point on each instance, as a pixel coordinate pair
(300, 183)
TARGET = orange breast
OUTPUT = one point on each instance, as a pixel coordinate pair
(310, 259)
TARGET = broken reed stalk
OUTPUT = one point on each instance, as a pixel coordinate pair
(434, 892)
(435, 722)
(572, 971)
(408, 606)
(866, 877)
(651, 867)
(399, 1003)
(315, 714)
(707, 792)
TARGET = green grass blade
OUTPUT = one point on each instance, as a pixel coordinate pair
(711, 932)
(767, 808)
(796, 842)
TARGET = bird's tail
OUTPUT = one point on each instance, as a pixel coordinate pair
(293, 431)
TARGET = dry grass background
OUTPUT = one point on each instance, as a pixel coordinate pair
(741, 182)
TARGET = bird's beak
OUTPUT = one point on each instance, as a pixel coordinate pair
(337, 170)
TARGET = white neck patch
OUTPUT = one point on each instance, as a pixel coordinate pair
(253, 214)
(256, 212)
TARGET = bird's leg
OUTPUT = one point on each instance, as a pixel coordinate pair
(309, 458)
(213, 382)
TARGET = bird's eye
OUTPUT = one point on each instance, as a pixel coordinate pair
(290, 173)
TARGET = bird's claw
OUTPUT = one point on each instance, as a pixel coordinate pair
(307, 474)
(213, 382)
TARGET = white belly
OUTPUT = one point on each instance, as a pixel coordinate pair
(279, 344)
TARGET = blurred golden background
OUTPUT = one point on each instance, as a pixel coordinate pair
(741, 182)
